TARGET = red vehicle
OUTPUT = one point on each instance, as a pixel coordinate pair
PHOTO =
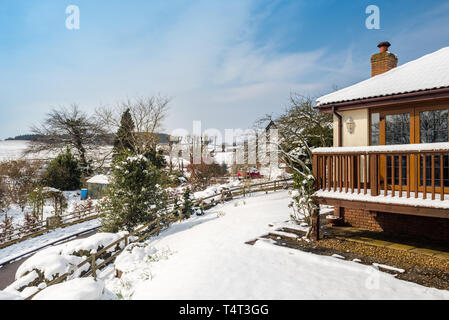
(252, 173)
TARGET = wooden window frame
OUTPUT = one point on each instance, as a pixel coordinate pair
(414, 110)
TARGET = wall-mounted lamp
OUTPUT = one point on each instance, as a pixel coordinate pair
(350, 125)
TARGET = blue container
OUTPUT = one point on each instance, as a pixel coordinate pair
(83, 194)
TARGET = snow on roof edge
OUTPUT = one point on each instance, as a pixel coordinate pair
(380, 96)
(407, 77)
(99, 179)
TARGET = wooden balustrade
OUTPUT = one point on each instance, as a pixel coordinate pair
(424, 173)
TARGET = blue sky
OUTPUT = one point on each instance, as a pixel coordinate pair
(225, 63)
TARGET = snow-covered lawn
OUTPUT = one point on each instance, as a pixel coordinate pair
(207, 258)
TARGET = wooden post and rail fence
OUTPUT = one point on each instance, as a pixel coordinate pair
(23, 233)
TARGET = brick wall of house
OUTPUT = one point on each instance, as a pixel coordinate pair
(432, 228)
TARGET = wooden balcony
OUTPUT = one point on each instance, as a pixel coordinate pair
(408, 179)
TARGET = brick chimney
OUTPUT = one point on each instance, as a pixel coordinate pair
(384, 60)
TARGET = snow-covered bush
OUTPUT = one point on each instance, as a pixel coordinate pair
(134, 265)
(48, 264)
(6, 228)
(135, 195)
(30, 222)
(83, 208)
(76, 289)
(303, 204)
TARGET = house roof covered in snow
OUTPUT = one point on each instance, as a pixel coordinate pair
(99, 179)
(426, 73)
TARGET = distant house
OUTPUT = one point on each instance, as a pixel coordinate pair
(270, 125)
(97, 186)
(389, 167)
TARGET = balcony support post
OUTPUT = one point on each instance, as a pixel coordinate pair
(373, 173)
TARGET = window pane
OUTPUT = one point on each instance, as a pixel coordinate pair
(433, 126)
(397, 129)
(375, 129)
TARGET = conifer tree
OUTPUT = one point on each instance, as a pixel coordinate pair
(124, 140)
(135, 195)
(64, 172)
(187, 205)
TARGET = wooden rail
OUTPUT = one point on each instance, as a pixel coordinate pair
(418, 173)
(22, 233)
(157, 225)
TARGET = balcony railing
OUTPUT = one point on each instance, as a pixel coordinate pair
(409, 171)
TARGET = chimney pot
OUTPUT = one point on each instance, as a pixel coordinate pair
(383, 46)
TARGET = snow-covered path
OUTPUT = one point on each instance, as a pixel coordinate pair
(207, 258)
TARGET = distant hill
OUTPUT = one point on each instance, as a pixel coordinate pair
(26, 137)
(162, 137)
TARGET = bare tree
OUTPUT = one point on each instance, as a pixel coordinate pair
(148, 114)
(300, 129)
(69, 127)
(18, 179)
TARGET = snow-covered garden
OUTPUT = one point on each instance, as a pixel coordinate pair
(206, 257)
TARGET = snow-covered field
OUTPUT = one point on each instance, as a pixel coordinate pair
(12, 150)
(205, 257)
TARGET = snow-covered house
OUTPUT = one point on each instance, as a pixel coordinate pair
(389, 167)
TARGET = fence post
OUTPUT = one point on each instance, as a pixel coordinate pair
(316, 224)
(181, 211)
(94, 268)
(275, 186)
(315, 172)
(126, 241)
(222, 197)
